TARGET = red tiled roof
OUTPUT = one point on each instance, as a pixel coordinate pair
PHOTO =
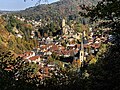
(9, 68)
(28, 53)
(34, 58)
(54, 48)
(46, 70)
(43, 47)
(90, 40)
(78, 45)
(65, 52)
(86, 45)
(96, 45)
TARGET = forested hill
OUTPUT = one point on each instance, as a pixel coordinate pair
(62, 8)
(15, 35)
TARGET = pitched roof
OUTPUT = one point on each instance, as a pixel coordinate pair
(28, 53)
(96, 45)
(34, 58)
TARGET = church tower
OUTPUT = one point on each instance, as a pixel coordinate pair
(63, 23)
(63, 26)
(81, 55)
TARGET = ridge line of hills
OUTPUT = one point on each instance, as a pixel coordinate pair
(59, 9)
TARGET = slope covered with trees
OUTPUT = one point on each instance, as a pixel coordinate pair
(60, 9)
(15, 35)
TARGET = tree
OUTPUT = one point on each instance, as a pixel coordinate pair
(105, 73)
(38, 2)
(15, 73)
(105, 10)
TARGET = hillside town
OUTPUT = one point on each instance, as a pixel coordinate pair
(66, 48)
(60, 45)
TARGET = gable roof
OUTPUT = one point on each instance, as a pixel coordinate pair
(34, 58)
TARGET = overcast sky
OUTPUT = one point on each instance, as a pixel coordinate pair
(13, 5)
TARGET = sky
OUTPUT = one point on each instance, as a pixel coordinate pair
(15, 5)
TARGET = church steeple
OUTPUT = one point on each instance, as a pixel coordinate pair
(63, 23)
(63, 26)
(81, 55)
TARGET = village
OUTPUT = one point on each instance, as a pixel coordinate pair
(60, 45)
(65, 50)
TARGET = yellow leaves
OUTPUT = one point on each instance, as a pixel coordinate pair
(93, 61)
(76, 63)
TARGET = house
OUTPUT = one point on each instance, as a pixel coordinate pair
(66, 29)
(90, 29)
(9, 68)
(19, 35)
(34, 59)
(32, 34)
(29, 54)
(48, 53)
(15, 30)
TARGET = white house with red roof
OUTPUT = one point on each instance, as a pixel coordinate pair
(29, 54)
(34, 59)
